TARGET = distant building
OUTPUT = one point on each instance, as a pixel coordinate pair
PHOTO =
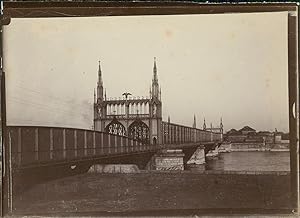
(268, 137)
(242, 135)
(247, 130)
(232, 132)
(264, 133)
(248, 134)
(282, 138)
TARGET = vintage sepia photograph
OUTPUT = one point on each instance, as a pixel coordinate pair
(180, 114)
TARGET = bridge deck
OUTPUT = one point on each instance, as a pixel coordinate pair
(37, 146)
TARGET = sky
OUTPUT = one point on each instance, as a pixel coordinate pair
(232, 66)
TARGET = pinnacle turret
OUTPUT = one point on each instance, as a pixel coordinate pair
(194, 123)
(155, 86)
(99, 85)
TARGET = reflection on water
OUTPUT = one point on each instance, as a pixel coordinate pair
(251, 161)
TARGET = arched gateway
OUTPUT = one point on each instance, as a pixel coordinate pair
(136, 117)
(140, 131)
(115, 128)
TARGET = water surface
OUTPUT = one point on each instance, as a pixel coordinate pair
(251, 161)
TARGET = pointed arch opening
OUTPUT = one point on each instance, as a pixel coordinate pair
(115, 128)
(140, 131)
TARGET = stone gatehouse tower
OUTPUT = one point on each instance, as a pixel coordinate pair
(135, 117)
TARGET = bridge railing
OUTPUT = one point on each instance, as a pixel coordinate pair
(37, 145)
(175, 134)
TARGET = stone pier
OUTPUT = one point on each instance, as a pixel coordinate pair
(168, 159)
(225, 147)
(114, 168)
(198, 157)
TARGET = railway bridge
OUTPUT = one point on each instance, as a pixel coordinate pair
(33, 148)
(127, 130)
(39, 154)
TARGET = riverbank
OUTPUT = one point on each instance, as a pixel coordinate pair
(259, 149)
(155, 191)
(253, 146)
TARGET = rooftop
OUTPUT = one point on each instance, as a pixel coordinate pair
(247, 128)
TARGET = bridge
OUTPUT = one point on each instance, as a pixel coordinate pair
(128, 126)
(39, 154)
(128, 130)
(33, 146)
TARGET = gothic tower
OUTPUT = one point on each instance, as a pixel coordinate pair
(155, 85)
(99, 85)
(155, 108)
(99, 108)
(132, 117)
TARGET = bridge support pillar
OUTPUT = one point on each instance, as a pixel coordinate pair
(213, 153)
(168, 159)
(198, 157)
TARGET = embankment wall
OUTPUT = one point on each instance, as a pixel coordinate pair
(248, 146)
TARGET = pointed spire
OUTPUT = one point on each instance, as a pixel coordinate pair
(155, 79)
(169, 119)
(204, 125)
(105, 94)
(100, 74)
(99, 85)
(221, 126)
(155, 86)
(194, 123)
(155, 69)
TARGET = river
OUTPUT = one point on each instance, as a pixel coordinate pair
(251, 161)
